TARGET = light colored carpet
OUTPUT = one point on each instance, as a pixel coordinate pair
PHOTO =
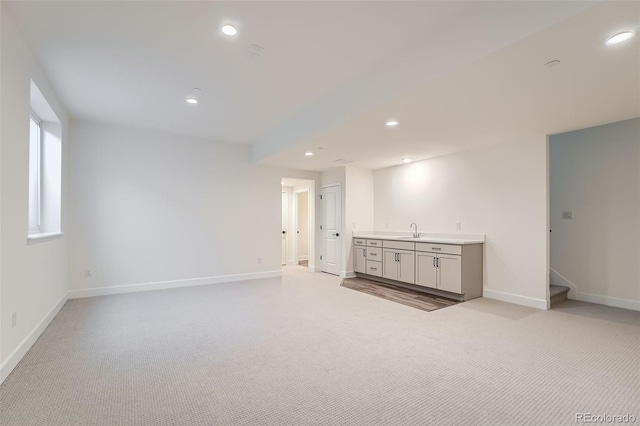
(303, 350)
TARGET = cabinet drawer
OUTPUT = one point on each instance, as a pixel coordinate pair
(374, 268)
(374, 243)
(359, 242)
(439, 248)
(374, 253)
(402, 245)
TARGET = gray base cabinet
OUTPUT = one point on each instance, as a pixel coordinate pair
(399, 265)
(445, 269)
(451, 268)
(360, 259)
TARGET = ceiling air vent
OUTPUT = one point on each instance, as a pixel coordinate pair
(255, 50)
(343, 161)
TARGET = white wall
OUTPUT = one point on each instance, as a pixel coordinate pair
(500, 191)
(33, 279)
(359, 208)
(152, 207)
(595, 174)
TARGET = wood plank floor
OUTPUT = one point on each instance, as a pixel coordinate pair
(405, 296)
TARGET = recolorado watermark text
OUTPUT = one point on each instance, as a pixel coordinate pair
(605, 418)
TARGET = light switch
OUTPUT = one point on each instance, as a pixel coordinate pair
(567, 215)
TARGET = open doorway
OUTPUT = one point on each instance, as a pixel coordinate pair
(301, 210)
(298, 223)
(594, 215)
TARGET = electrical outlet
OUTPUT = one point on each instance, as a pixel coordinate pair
(567, 215)
(459, 226)
(259, 261)
(87, 273)
(14, 319)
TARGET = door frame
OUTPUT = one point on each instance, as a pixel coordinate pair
(309, 185)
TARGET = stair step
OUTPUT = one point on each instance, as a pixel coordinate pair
(557, 289)
(558, 294)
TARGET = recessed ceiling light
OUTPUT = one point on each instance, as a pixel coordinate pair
(308, 153)
(620, 38)
(192, 99)
(392, 123)
(229, 30)
(407, 160)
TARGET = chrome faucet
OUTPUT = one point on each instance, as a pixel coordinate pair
(415, 232)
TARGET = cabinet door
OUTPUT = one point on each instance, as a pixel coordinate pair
(359, 259)
(407, 266)
(450, 273)
(426, 271)
(389, 264)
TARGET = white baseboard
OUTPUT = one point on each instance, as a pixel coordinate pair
(14, 357)
(347, 274)
(301, 258)
(161, 285)
(515, 298)
(574, 294)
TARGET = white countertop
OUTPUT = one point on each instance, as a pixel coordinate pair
(424, 238)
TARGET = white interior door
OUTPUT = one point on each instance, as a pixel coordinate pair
(332, 229)
(285, 221)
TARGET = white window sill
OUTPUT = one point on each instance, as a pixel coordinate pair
(42, 237)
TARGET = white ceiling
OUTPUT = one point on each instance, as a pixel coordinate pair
(133, 63)
(504, 97)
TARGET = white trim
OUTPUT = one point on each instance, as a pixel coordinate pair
(515, 298)
(347, 274)
(161, 285)
(18, 353)
(301, 258)
(42, 237)
(575, 294)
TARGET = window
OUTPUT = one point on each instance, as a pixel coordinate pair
(45, 170)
